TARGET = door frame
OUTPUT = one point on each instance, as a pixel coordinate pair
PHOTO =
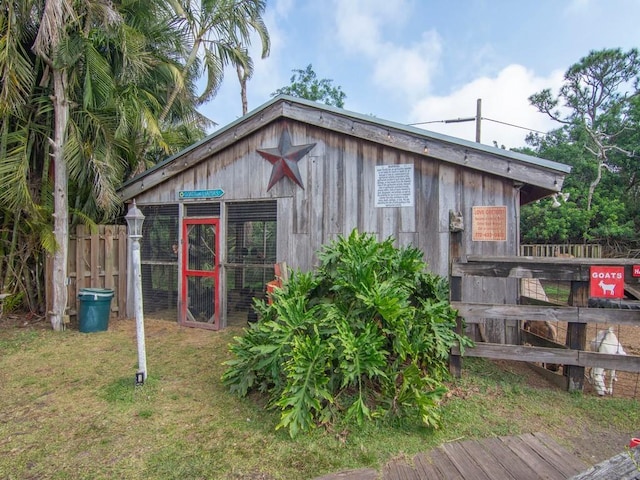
(186, 273)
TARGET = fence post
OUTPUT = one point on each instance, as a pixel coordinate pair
(577, 335)
(455, 295)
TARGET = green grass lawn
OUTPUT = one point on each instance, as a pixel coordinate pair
(70, 410)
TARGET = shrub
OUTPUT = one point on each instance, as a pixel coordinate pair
(367, 335)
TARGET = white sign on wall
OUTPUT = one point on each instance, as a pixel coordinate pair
(394, 185)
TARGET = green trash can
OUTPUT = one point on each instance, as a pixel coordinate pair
(94, 309)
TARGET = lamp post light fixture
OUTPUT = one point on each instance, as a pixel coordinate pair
(134, 219)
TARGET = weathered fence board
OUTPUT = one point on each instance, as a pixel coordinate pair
(562, 250)
(559, 269)
(98, 259)
(526, 353)
(577, 316)
(474, 312)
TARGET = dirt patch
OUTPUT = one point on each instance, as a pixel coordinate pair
(590, 444)
(23, 320)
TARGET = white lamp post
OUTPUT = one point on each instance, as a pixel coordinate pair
(134, 219)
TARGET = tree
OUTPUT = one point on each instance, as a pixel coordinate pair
(217, 34)
(598, 108)
(597, 93)
(83, 84)
(52, 32)
(305, 84)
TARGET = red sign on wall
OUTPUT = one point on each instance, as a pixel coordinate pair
(636, 271)
(606, 282)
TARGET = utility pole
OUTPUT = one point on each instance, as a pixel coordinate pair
(476, 119)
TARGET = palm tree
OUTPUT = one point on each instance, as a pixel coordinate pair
(219, 34)
(24, 151)
(81, 88)
(87, 91)
(60, 42)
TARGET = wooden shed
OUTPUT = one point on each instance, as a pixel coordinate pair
(292, 175)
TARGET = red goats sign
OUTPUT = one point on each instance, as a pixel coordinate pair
(606, 282)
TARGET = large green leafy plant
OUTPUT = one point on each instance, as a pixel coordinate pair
(367, 335)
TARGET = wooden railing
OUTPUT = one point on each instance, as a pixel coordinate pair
(577, 250)
(577, 315)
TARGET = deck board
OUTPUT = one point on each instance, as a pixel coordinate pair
(533, 459)
(487, 461)
(532, 456)
(510, 460)
(465, 463)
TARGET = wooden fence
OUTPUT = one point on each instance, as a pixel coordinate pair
(577, 314)
(588, 250)
(97, 260)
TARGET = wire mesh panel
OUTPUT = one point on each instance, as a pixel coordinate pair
(205, 210)
(616, 340)
(159, 259)
(251, 255)
(600, 337)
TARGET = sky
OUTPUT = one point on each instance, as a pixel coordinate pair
(416, 61)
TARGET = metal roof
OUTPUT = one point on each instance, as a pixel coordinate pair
(411, 130)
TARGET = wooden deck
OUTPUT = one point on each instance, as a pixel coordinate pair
(524, 457)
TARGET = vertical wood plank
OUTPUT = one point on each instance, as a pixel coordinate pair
(335, 205)
(80, 259)
(72, 274)
(407, 221)
(108, 266)
(316, 193)
(122, 271)
(368, 211)
(352, 183)
(285, 251)
(455, 295)
(94, 250)
(577, 335)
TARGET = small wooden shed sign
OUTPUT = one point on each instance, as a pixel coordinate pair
(489, 224)
(217, 193)
(606, 282)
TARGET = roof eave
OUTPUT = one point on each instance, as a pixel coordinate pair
(545, 175)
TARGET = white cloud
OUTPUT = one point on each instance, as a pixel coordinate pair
(403, 70)
(267, 72)
(504, 99)
(409, 70)
(359, 23)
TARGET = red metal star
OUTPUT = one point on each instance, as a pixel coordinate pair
(285, 159)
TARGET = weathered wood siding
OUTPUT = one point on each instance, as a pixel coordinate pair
(339, 195)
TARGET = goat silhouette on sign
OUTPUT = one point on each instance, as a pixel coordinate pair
(607, 288)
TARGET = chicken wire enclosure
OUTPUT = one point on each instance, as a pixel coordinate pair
(159, 260)
(251, 254)
(200, 271)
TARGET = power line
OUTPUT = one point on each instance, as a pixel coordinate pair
(476, 119)
(456, 120)
(459, 120)
(514, 125)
